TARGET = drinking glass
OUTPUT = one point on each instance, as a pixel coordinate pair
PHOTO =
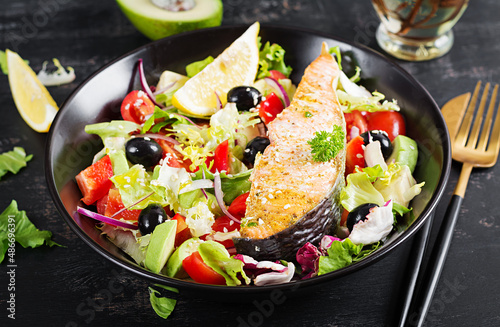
(417, 30)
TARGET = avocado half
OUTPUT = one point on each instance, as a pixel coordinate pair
(156, 23)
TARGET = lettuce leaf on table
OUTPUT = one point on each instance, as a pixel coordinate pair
(25, 233)
(163, 306)
(13, 161)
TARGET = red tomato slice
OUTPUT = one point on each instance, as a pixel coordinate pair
(102, 204)
(352, 119)
(225, 224)
(221, 157)
(200, 272)
(115, 204)
(354, 155)
(239, 206)
(392, 122)
(270, 107)
(94, 181)
(276, 74)
(175, 156)
(183, 233)
(136, 107)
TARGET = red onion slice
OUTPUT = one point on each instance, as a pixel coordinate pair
(279, 89)
(219, 196)
(203, 190)
(104, 219)
(132, 205)
(166, 88)
(145, 86)
(219, 102)
(186, 118)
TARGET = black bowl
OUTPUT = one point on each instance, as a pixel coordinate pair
(70, 149)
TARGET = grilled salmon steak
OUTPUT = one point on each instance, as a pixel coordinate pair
(294, 199)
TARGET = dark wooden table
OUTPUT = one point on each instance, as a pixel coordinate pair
(74, 286)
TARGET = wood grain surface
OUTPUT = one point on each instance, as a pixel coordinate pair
(74, 286)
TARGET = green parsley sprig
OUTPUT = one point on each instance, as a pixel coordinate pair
(326, 145)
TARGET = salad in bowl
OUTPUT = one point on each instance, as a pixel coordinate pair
(232, 175)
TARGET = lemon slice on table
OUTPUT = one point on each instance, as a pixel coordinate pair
(32, 99)
(237, 65)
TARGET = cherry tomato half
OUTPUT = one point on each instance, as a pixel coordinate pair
(200, 272)
(276, 74)
(355, 118)
(270, 107)
(136, 107)
(392, 122)
(354, 155)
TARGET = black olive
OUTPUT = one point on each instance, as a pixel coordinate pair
(258, 144)
(144, 151)
(150, 217)
(382, 137)
(245, 97)
(358, 214)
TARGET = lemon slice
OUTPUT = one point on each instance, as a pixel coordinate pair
(237, 65)
(32, 99)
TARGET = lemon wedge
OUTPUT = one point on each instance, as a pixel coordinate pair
(32, 99)
(236, 65)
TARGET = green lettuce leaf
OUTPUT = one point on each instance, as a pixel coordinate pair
(166, 117)
(13, 161)
(367, 250)
(216, 257)
(115, 128)
(398, 184)
(25, 233)
(272, 57)
(340, 254)
(197, 66)
(163, 306)
(359, 190)
(336, 51)
(134, 185)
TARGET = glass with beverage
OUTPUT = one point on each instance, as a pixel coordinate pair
(417, 29)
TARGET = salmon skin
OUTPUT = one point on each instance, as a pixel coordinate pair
(294, 199)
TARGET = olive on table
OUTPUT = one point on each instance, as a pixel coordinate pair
(382, 137)
(245, 97)
(258, 144)
(144, 151)
(359, 214)
(150, 217)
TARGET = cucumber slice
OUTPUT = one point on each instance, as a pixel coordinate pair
(405, 152)
(160, 246)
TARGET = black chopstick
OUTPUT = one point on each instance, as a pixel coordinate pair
(415, 259)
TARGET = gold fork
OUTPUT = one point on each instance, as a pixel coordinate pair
(476, 144)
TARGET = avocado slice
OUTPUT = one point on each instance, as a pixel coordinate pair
(161, 245)
(174, 263)
(156, 23)
(405, 152)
